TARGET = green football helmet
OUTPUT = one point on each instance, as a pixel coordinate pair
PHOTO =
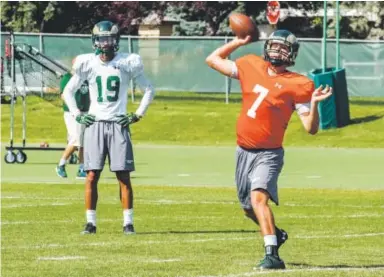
(286, 58)
(105, 37)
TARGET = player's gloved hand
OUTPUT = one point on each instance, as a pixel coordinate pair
(86, 119)
(125, 120)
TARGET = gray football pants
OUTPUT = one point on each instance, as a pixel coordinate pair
(257, 169)
(107, 138)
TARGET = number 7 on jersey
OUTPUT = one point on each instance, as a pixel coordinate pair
(262, 91)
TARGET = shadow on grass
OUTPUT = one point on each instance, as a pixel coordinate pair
(302, 265)
(367, 102)
(200, 232)
(365, 119)
(308, 266)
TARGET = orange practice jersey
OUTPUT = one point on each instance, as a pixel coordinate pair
(268, 102)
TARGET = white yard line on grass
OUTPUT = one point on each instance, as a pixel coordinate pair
(184, 175)
(33, 205)
(162, 261)
(43, 222)
(299, 270)
(63, 258)
(342, 236)
(313, 177)
(109, 243)
(185, 202)
(186, 218)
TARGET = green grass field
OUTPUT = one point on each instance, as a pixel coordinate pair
(203, 119)
(187, 216)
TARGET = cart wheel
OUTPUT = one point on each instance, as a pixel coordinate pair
(73, 159)
(21, 157)
(10, 157)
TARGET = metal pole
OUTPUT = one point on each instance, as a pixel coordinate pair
(130, 47)
(41, 49)
(13, 87)
(324, 42)
(227, 79)
(24, 98)
(337, 35)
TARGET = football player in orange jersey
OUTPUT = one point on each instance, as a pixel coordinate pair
(270, 95)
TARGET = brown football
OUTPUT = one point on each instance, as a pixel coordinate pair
(243, 26)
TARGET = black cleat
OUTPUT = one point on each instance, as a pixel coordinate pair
(129, 230)
(89, 229)
(271, 262)
(282, 237)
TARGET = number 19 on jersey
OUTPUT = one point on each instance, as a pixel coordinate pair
(112, 88)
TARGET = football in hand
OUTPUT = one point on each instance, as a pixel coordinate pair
(242, 26)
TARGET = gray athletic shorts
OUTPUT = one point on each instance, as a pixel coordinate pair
(106, 138)
(257, 169)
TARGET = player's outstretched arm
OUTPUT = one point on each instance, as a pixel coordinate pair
(218, 58)
(310, 119)
(149, 93)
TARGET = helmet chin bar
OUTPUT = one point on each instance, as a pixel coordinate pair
(278, 62)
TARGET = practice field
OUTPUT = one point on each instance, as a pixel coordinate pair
(188, 220)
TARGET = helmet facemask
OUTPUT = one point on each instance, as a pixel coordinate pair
(278, 56)
(281, 48)
(106, 44)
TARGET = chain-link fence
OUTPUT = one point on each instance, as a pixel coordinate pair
(178, 63)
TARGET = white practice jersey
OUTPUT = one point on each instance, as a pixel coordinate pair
(108, 83)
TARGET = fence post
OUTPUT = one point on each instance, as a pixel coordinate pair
(130, 47)
(227, 80)
(41, 49)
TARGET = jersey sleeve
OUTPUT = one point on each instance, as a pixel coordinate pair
(149, 92)
(79, 71)
(64, 81)
(79, 66)
(303, 97)
(136, 65)
(243, 64)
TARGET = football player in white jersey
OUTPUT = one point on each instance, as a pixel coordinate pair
(107, 122)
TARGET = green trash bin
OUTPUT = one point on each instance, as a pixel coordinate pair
(327, 108)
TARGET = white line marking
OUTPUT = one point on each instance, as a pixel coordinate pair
(63, 258)
(331, 216)
(342, 236)
(188, 202)
(108, 220)
(34, 205)
(163, 261)
(186, 218)
(39, 198)
(109, 243)
(287, 271)
(313, 177)
(330, 205)
(183, 175)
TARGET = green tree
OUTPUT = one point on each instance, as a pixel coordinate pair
(27, 16)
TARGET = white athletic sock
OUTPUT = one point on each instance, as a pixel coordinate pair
(62, 162)
(91, 216)
(270, 240)
(128, 216)
(81, 166)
